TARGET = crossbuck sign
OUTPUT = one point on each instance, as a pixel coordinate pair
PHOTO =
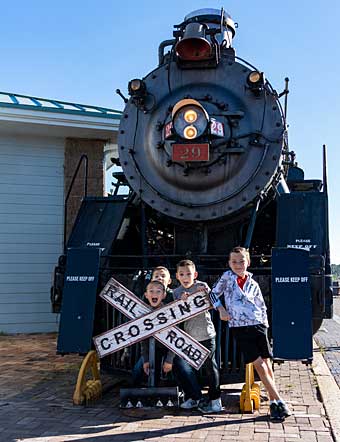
(158, 323)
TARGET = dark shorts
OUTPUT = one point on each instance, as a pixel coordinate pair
(253, 342)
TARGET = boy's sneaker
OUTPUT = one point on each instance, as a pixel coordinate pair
(275, 414)
(283, 409)
(189, 404)
(214, 406)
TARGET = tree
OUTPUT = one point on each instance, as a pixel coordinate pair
(335, 271)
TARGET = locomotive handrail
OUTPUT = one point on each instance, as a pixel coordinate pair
(268, 83)
(315, 270)
(85, 158)
(161, 48)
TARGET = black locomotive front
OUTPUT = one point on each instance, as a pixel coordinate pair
(203, 150)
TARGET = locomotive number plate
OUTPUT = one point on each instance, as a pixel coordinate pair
(216, 128)
(190, 152)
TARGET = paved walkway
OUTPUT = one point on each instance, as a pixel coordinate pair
(36, 388)
(328, 339)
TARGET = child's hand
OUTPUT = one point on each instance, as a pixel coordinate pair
(146, 368)
(185, 296)
(167, 367)
(223, 314)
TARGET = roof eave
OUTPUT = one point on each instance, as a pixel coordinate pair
(17, 120)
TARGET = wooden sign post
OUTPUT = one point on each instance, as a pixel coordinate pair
(158, 323)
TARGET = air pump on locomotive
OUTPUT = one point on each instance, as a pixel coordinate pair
(203, 149)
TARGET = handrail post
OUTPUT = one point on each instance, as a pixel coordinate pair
(85, 158)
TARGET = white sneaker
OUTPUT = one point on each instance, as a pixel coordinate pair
(189, 404)
(214, 406)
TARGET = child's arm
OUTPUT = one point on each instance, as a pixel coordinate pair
(217, 291)
(259, 301)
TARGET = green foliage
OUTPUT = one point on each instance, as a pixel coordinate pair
(335, 271)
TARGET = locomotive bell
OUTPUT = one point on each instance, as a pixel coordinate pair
(215, 19)
(194, 46)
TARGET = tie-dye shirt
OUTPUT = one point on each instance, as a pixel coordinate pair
(245, 306)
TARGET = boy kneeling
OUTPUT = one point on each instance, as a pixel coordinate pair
(155, 293)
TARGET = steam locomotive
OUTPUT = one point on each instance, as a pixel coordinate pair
(203, 151)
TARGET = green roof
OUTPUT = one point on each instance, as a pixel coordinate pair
(10, 100)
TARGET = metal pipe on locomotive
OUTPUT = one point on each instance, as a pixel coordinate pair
(204, 150)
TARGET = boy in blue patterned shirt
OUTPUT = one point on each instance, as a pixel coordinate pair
(247, 315)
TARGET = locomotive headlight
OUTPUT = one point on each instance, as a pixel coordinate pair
(255, 80)
(190, 116)
(136, 87)
(190, 119)
(254, 77)
(135, 84)
(190, 132)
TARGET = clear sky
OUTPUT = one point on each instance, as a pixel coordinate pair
(82, 50)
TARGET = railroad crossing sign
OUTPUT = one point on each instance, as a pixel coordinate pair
(158, 323)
